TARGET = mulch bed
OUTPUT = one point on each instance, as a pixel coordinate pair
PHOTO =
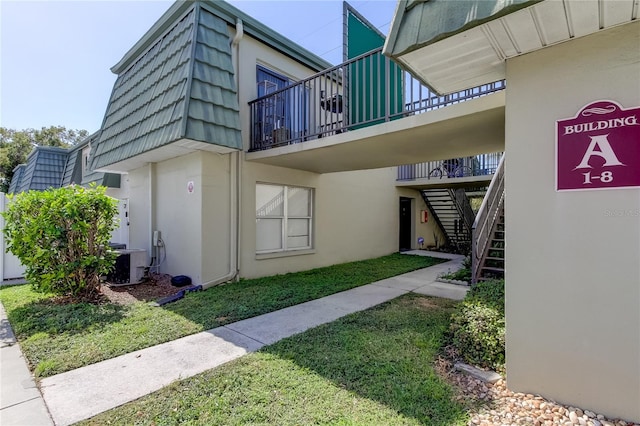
(157, 287)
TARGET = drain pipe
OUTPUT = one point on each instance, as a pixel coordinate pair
(239, 154)
(235, 185)
(152, 219)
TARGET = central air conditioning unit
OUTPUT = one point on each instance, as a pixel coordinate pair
(130, 266)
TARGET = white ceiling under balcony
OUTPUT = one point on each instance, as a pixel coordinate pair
(477, 55)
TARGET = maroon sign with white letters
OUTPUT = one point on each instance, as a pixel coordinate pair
(599, 148)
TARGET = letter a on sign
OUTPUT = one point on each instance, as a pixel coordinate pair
(604, 150)
(601, 150)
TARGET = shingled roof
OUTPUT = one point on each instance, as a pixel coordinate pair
(43, 169)
(74, 173)
(179, 91)
(16, 179)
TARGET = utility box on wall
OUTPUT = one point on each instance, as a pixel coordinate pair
(130, 266)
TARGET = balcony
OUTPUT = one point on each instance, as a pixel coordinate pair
(368, 113)
(471, 171)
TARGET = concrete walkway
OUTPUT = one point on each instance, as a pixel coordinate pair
(87, 391)
(20, 399)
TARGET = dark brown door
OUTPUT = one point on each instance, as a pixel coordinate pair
(405, 224)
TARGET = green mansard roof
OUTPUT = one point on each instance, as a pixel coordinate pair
(175, 90)
(74, 173)
(181, 88)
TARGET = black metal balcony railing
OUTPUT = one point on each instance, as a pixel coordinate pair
(476, 165)
(366, 90)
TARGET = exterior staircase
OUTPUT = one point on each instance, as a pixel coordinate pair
(492, 264)
(488, 246)
(452, 212)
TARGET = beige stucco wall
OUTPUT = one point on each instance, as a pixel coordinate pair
(253, 53)
(218, 208)
(178, 214)
(573, 280)
(355, 213)
(194, 226)
(428, 230)
(355, 217)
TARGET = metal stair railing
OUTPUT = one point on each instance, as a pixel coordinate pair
(461, 201)
(486, 219)
(366, 90)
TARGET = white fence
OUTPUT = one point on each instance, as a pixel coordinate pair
(10, 266)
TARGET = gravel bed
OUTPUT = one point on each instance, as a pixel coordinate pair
(494, 404)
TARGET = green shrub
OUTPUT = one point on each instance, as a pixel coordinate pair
(478, 325)
(61, 236)
(490, 293)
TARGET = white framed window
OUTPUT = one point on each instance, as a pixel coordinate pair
(284, 218)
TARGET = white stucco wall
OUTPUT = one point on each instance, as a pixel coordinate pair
(178, 214)
(140, 218)
(572, 274)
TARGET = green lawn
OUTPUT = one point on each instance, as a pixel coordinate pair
(57, 338)
(371, 368)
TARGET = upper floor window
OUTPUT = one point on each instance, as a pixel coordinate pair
(269, 81)
(283, 116)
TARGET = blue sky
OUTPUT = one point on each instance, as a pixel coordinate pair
(55, 56)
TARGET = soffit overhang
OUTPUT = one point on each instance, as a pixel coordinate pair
(473, 39)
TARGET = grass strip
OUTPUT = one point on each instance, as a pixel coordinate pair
(60, 337)
(370, 368)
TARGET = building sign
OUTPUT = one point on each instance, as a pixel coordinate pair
(599, 148)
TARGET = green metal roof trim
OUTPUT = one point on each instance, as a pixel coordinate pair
(44, 169)
(419, 23)
(110, 180)
(181, 87)
(230, 15)
(16, 179)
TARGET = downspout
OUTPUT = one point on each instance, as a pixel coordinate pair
(152, 222)
(235, 185)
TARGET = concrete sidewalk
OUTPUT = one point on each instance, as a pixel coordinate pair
(87, 391)
(20, 399)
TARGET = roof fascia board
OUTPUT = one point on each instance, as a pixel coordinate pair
(162, 25)
(398, 15)
(261, 32)
(84, 142)
(389, 47)
(230, 14)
